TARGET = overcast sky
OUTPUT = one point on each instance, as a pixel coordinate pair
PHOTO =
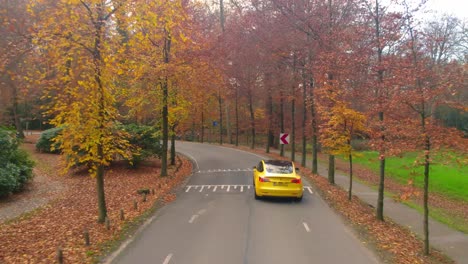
(456, 7)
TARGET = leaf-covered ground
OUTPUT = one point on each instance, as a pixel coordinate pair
(35, 237)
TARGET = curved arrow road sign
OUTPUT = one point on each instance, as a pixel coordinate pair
(284, 138)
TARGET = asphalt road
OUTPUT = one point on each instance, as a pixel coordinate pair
(216, 219)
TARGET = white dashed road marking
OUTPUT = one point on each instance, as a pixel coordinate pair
(306, 227)
(167, 259)
(309, 189)
(193, 218)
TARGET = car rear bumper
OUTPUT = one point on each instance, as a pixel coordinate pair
(279, 192)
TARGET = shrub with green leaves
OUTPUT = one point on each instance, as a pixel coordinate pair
(46, 143)
(145, 139)
(15, 164)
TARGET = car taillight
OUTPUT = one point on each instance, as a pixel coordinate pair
(261, 179)
(296, 180)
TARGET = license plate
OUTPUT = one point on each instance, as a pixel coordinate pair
(280, 184)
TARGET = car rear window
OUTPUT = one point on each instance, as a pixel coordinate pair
(279, 167)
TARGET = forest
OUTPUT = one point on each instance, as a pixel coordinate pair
(337, 75)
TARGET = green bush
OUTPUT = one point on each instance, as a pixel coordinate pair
(15, 165)
(146, 139)
(46, 143)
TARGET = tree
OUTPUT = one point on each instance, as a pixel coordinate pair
(421, 92)
(82, 52)
(15, 45)
(338, 132)
(158, 37)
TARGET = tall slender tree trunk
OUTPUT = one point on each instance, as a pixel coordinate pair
(380, 198)
(252, 121)
(165, 110)
(331, 169)
(281, 121)
(293, 113)
(220, 101)
(237, 116)
(19, 127)
(350, 190)
(228, 123)
(202, 126)
(304, 119)
(165, 122)
(270, 115)
(173, 149)
(193, 130)
(314, 129)
(427, 148)
(97, 59)
(426, 197)
(102, 209)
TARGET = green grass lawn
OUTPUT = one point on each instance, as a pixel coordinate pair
(449, 179)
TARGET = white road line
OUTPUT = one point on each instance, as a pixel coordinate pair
(214, 190)
(306, 227)
(310, 189)
(242, 188)
(201, 189)
(188, 188)
(167, 259)
(235, 187)
(193, 218)
(202, 211)
(222, 187)
(229, 186)
(248, 187)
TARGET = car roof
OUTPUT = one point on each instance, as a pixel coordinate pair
(278, 162)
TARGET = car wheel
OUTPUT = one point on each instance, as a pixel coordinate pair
(298, 199)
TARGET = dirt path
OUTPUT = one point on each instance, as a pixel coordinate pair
(44, 187)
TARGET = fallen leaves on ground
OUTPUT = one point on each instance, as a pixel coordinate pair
(36, 237)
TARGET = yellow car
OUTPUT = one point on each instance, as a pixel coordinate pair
(277, 178)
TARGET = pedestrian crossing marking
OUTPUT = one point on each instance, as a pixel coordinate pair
(228, 188)
(224, 170)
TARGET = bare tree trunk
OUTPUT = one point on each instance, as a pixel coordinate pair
(426, 197)
(165, 110)
(304, 119)
(281, 121)
(102, 209)
(97, 59)
(173, 150)
(314, 129)
(19, 127)
(202, 127)
(380, 198)
(350, 190)
(331, 169)
(237, 116)
(220, 101)
(270, 114)
(252, 120)
(293, 113)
